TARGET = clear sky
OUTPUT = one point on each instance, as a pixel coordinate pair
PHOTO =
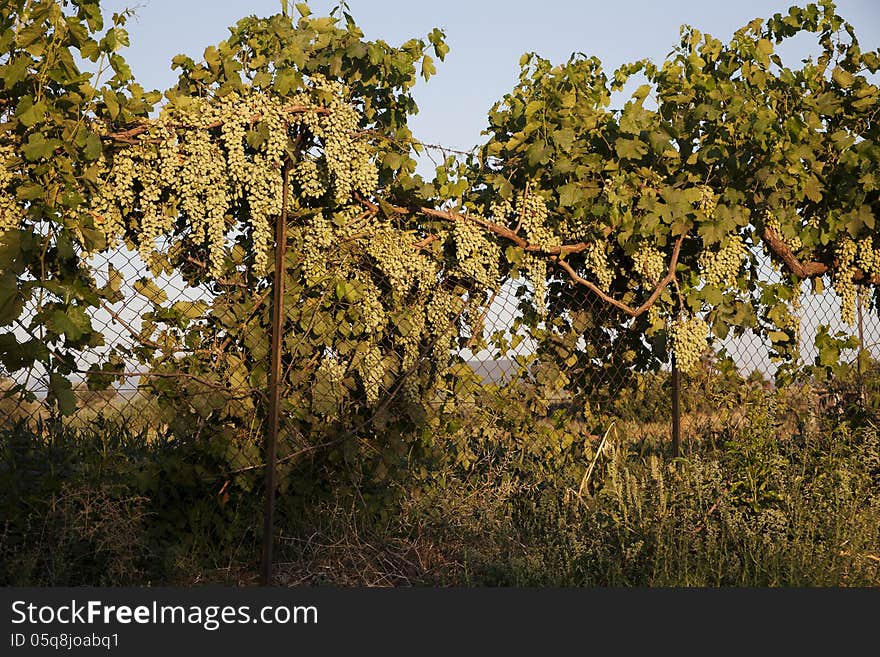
(486, 38)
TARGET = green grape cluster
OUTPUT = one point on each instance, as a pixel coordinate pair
(372, 311)
(410, 344)
(868, 257)
(348, 159)
(309, 178)
(318, 236)
(10, 213)
(721, 266)
(263, 192)
(115, 197)
(333, 369)
(203, 159)
(393, 253)
(351, 222)
(655, 321)
(314, 262)
(532, 214)
(372, 372)
(688, 336)
(649, 263)
(233, 133)
(329, 378)
(708, 201)
(596, 260)
(536, 267)
(202, 193)
(477, 258)
(474, 315)
(441, 308)
(500, 211)
(843, 279)
(440, 313)
(319, 230)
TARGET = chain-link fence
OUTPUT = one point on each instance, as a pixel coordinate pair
(188, 367)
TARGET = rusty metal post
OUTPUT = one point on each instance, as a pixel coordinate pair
(676, 409)
(274, 384)
(859, 291)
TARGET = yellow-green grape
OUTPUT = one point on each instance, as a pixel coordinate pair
(500, 211)
(868, 257)
(321, 231)
(273, 119)
(440, 313)
(333, 369)
(477, 257)
(314, 263)
(708, 200)
(535, 268)
(649, 263)
(154, 222)
(364, 173)
(372, 371)
(370, 305)
(317, 238)
(202, 192)
(115, 197)
(474, 313)
(263, 192)
(347, 158)
(326, 388)
(532, 215)
(410, 343)
(309, 179)
(233, 134)
(843, 279)
(393, 253)
(596, 260)
(10, 213)
(200, 161)
(688, 337)
(654, 318)
(351, 222)
(720, 267)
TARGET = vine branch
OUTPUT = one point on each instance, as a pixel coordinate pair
(633, 312)
(811, 269)
(128, 136)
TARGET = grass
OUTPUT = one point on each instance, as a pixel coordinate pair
(768, 493)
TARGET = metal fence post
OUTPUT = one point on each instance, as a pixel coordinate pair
(859, 291)
(274, 384)
(676, 409)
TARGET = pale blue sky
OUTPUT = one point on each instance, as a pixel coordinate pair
(486, 38)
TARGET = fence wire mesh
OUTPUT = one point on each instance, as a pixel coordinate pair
(181, 362)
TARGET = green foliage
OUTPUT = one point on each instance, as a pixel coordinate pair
(50, 145)
(727, 151)
(629, 234)
(369, 320)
